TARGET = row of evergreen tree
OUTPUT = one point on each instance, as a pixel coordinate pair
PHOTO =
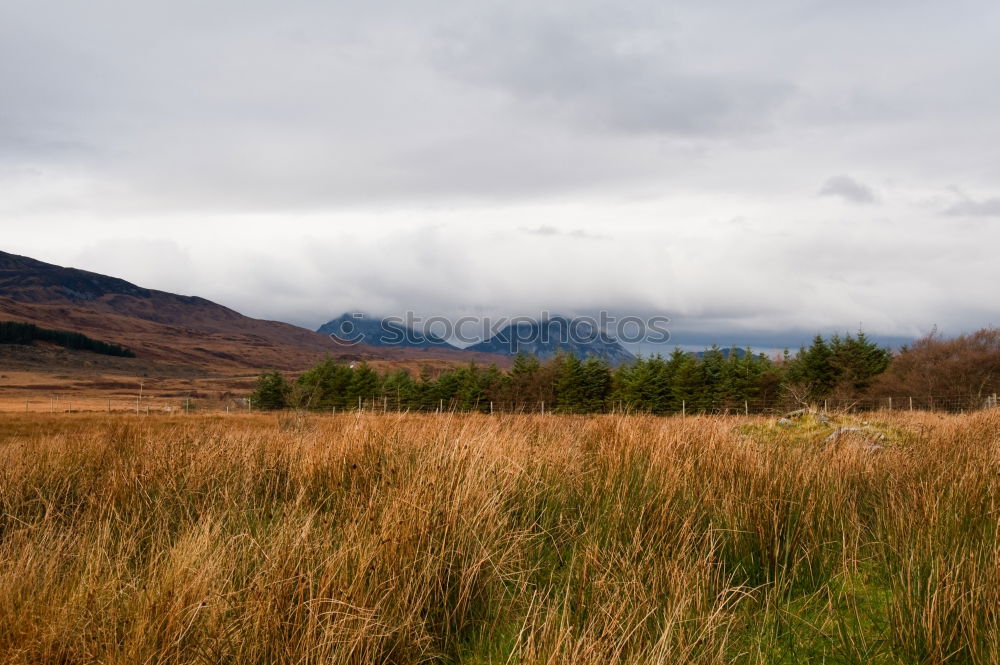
(715, 380)
(12, 332)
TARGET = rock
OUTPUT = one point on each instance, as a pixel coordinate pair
(840, 431)
(873, 438)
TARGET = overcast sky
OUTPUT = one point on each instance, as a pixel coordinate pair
(758, 172)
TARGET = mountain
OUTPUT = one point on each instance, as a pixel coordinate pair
(163, 326)
(552, 336)
(193, 331)
(359, 327)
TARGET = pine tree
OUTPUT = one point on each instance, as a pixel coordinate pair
(814, 369)
(324, 385)
(713, 370)
(570, 390)
(595, 376)
(858, 360)
(688, 384)
(272, 391)
(524, 381)
(363, 386)
(399, 390)
(471, 392)
(623, 384)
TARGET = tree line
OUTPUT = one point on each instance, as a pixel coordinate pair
(715, 380)
(12, 332)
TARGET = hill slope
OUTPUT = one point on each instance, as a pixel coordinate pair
(166, 326)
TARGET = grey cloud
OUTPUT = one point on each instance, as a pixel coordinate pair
(715, 285)
(249, 106)
(607, 70)
(270, 142)
(848, 189)
(543, 230)
(972, 208)
(231, 107)
(547, 230)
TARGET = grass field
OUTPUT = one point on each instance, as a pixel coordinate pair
(477, 539)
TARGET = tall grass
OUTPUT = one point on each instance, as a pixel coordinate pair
(478, 539)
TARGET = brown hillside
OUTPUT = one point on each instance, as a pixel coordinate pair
(165, 326)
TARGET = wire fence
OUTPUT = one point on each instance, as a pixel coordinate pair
(155, 405)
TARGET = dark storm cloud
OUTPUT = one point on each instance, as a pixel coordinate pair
(848, 189)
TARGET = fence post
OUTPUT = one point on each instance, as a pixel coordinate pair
(683, 408)
(491, 406)
(543, 407)
(911, 404)
(890, 404)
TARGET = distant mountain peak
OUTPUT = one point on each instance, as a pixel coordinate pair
(360, 328)
(553, 335)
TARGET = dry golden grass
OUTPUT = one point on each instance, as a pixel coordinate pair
(534, 539)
